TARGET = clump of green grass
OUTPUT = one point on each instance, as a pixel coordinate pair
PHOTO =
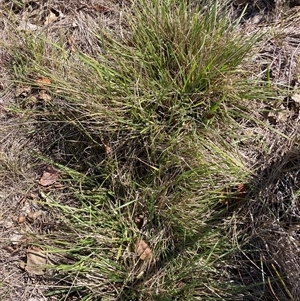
(144, 128)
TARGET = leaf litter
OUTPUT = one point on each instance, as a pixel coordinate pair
(49, 176)
(143, 250)
(36, 261)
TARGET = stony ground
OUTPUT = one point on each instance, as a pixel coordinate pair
(277, 175)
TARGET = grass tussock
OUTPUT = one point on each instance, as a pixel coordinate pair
(143, 130)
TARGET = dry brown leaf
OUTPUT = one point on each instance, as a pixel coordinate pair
(17, 239)
(34, 215)
(101, 8)
(108, 150)
(23, 91)
(43, 95)
(24, 25)
(49, 176)
(36, 261)
(71, 43)
(143, 250)
(242, 192)
(43, 81)
(21, 218)
(50, 18)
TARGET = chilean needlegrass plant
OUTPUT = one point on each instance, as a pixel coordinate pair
(144, 129)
